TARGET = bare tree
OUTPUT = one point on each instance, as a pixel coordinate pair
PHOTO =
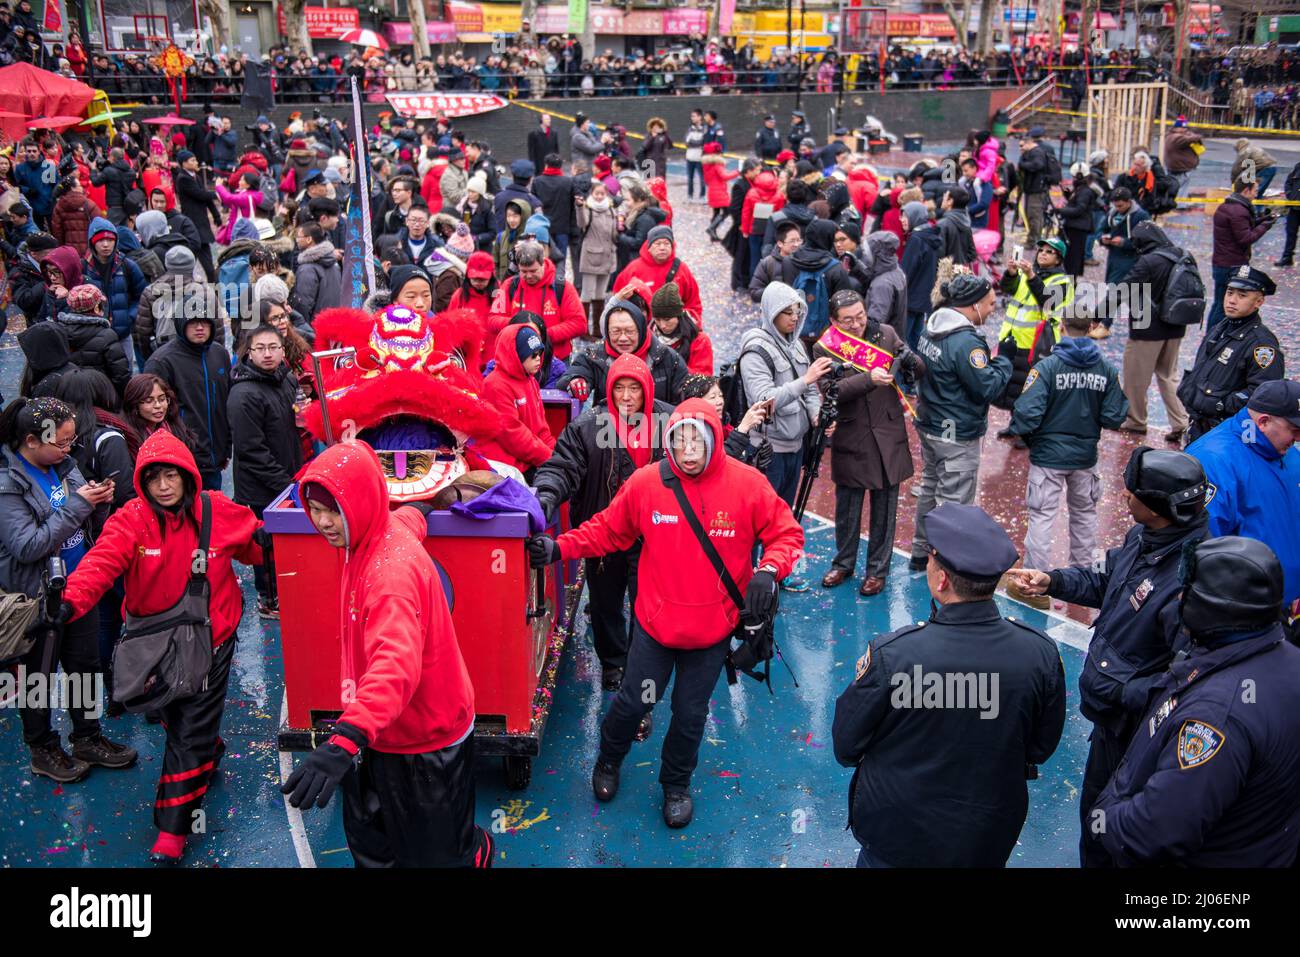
(984, 38)
(419, 28)
(295, 23)
(219, 13)
(960, 21)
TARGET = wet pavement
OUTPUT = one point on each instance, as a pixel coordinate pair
(768, 791)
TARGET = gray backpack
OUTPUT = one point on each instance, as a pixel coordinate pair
(165, 657)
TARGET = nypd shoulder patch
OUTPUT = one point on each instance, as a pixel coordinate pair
(1210, 491)
(1030, 380)
(1197, 743)
(864, 663)
(1264, 356)
(979, 358)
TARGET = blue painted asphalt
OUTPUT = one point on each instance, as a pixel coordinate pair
(768, 790)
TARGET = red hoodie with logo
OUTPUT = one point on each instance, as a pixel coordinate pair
(763, 189)
(655, 274)
(680, 601)
(157, 565)
(564, 319)
(525, 439)
(410, 692)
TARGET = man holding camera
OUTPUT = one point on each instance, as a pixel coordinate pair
(1237, 227)
(946, 719)
(870, 447)
(688, 583)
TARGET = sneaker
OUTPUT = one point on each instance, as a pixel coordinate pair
(54, 763)
(678, 808)
(604, 781)
(268, 609)
(103, 753)
(793, 583)
(168, 848)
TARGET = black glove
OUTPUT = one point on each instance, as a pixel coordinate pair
(425, 507)
(1007, 348)
(760, 596)
(64, 614)
(542, 551)
(548, 507)
(314, 781)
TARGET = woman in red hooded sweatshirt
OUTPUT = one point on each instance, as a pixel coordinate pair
(476, 291)
(525, 440)
(151, 541)
(656, 264)
(410, 716)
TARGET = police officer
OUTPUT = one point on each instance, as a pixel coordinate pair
(1253, 468)
(980, 697)
(1040, 296)
(1069, 397)
(1234, 357)
(960, 382)
(1212, 778)
(1137, 589)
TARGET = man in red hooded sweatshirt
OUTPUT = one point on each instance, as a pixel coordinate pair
(403, 749)
(684, 617)
(656, 264)
(536, 289)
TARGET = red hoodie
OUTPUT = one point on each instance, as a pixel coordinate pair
(680, 601)
(157, 566)
(639, 438)
(431, 185)
(525, 439)
(564, 319)
(659, 190)
(466, 297)
(762, 190)
(864, 187)
(411, 692)
(655, 274)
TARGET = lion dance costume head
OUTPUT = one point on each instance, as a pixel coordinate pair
(407, 393)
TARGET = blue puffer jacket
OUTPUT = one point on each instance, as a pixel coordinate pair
(37, 181)
(120, 280)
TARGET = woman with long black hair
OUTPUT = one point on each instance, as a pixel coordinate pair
(149, 404)
(46, 509)
(150, 543)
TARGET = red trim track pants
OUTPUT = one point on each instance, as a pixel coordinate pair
(194, 749)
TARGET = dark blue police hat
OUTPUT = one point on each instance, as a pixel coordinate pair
(1256, 280)
(313, 176)
(968, 542)
(523, 169)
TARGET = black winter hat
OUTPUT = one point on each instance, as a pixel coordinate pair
(1230, 585)
(964, 289)
(1169, 482)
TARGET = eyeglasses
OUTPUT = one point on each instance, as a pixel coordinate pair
(267, 349)
(64, 445)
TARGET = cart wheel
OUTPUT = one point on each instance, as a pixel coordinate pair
(519, 771)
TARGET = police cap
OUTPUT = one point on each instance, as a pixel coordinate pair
(965, 540)
(1255, 280)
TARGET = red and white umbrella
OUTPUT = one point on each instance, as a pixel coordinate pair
(364, 38)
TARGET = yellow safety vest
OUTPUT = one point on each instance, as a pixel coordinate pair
(1024, 315)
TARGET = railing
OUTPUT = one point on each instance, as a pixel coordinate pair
(1040, 95)
(1183, 99)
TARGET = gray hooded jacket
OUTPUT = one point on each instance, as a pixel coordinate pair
(886, 294)
(797, 403)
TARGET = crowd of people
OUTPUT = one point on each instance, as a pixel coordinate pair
(202, 260)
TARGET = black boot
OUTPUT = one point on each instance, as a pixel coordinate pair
(53, 762)
(1285, 261)
(645, 727)
(678, 807)
(604, 781)
(103, 753)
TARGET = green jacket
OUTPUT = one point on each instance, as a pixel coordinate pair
(961, 380)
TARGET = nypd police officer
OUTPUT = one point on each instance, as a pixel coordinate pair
(982, 697)
(1234, 357)
(1212, 778)
(1137, 589)
(953, 414)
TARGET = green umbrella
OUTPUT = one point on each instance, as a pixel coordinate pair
(105, 117)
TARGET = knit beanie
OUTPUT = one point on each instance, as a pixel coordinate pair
(666, 302)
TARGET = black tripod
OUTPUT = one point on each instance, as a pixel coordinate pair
(816, 442)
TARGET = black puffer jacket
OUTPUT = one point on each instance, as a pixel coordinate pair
(585, 469)
(118, 178)
(267, 448)
(45, 346)
(1150, 274)
(200, 377)
(29, 292)
(667, 368)
(92, 344)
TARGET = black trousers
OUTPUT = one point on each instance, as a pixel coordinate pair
(880, 535)
(1076, 251)
(1292, 228)
(1105, 752)
(649, 666)
(194, 747)
(78, 653)
(414, 810)
(205, 260)
(609, 579)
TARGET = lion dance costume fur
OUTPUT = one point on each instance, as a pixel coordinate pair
(407, 393)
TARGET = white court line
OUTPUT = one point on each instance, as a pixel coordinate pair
(1066, 632)
(297, 831)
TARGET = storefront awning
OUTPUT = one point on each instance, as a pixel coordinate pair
(401, 35)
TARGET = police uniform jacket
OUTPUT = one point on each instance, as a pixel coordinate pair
(1068, 398)
(1212, 776)
(1233, 359)
(1133, 638)
(939, 785)
(960, 381)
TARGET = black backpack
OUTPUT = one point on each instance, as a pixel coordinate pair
(1183, 302)
(734, 401)
(1052, 175)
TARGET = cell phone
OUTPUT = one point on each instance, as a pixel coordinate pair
(1017, 253)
